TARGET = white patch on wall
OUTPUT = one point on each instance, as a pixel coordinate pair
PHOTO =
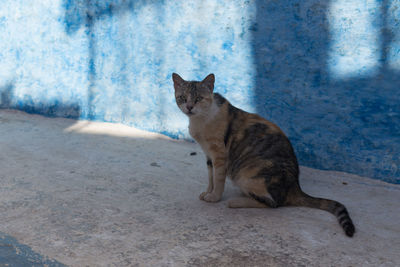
(118, 68)
(34, 62)
(354, 49)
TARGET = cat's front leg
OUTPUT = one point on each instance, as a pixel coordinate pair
(210, 179)
(219, 175)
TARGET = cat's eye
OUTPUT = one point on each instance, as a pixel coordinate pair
(181, 99)
(198, 99)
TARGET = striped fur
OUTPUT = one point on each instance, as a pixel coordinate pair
(252, 151)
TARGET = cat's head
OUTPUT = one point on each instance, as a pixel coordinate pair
(194, 97)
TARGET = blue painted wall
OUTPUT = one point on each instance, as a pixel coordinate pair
(326, 71)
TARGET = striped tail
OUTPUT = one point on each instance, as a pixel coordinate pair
(332, 206)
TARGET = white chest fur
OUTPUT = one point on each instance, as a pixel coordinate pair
(200, 131)
(197, 129)
(208, 129)
(201, 125)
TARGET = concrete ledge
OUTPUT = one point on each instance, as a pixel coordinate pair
(99, 194)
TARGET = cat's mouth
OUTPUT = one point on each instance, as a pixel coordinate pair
(189, 113)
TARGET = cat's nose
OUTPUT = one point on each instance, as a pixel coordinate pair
(189, 108)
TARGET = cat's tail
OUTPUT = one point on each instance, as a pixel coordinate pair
(299, 198)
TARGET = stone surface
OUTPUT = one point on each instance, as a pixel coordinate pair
(98, 194)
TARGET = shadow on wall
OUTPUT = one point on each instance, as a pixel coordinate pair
(108, 27)
(341, 122)
(85, 13)
(55, 109)
(6, 94)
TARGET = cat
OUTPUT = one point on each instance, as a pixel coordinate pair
(252, 151)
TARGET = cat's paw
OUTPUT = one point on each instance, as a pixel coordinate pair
(201, 197)
(209, 190)
(210, 197)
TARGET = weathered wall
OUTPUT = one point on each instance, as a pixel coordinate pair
(329, 73)
(326, 71)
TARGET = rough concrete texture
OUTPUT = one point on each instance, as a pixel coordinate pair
(100, 194)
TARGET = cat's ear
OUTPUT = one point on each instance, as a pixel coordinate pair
(178, 81)
(209, 82)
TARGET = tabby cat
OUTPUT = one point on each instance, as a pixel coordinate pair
(252, 151)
